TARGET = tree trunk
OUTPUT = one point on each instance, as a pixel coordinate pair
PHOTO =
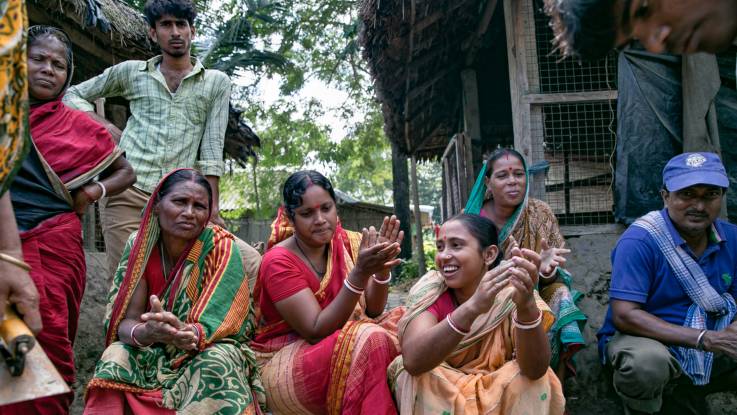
(401, 199)
(419, 248)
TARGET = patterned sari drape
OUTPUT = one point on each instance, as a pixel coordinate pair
(209, 290)
(343, 373)
(531, 222)
(72, 149)
(13, 89)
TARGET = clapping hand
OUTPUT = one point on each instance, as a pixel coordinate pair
(390, 232)
(491, 283)
(375, 257)
(551, 257)
(510, 246)
(524, 275)
(164, 327)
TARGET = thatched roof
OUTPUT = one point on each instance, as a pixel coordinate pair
(106, 32)
(240, 138)
(415, 50)
(103, 35)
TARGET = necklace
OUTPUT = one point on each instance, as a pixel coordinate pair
(314, 268)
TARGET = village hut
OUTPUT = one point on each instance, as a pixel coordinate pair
(457, 79)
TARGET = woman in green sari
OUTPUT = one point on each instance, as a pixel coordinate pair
(501, 194)
(179, 316)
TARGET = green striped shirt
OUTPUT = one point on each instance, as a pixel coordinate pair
(165, 131)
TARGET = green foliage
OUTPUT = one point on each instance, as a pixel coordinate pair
(295, 42)
(430, 250)
(408, 272)
(320, 38)
(229, 45)
(363, 161)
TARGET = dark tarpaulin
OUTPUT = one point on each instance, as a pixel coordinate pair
(650, 129)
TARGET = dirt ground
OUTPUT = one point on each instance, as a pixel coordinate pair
(588, 393)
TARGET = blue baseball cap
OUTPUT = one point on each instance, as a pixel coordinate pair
(689, 169)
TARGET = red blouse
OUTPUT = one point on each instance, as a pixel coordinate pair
(443, 306)
(282, 274)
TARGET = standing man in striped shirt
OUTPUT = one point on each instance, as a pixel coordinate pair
(179, 114)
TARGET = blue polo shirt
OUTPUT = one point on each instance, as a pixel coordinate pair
(641, 274)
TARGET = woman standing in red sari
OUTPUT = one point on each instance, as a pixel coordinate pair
(322, 342)
(53, 188)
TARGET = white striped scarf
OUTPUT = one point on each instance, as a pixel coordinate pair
(695, 363)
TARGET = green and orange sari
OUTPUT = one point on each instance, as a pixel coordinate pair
(210, 290)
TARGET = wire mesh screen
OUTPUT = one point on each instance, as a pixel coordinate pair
(553, 75)
(92, 229)
(579, 142)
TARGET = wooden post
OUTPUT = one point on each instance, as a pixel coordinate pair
(518, 23)
(419, 248)
(472, 120)
(471, 117)
(400, 178)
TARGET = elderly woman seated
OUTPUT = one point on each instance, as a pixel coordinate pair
(474, 335)
(179, 314)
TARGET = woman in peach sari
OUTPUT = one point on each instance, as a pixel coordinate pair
(474, 335)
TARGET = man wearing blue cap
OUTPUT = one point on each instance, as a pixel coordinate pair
(669, 335)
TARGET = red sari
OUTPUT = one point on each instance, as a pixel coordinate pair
(73, 149)
(343, 373)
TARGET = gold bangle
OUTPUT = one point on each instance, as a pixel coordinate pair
(15, 261)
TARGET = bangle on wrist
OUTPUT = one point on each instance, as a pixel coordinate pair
(133, 336)
(383, 282)
(196, 330)
(700, 340)
(352, 288)
(102, 186)
(15, 261)
(526, 325)
(549, 276)
(454, 327)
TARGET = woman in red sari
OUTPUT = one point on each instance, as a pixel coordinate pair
(53, 188)
(322, 340)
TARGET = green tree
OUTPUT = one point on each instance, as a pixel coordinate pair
(363, 161)
(296, 42)
(430, 186)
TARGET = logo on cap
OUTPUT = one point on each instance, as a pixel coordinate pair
(695, 160)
